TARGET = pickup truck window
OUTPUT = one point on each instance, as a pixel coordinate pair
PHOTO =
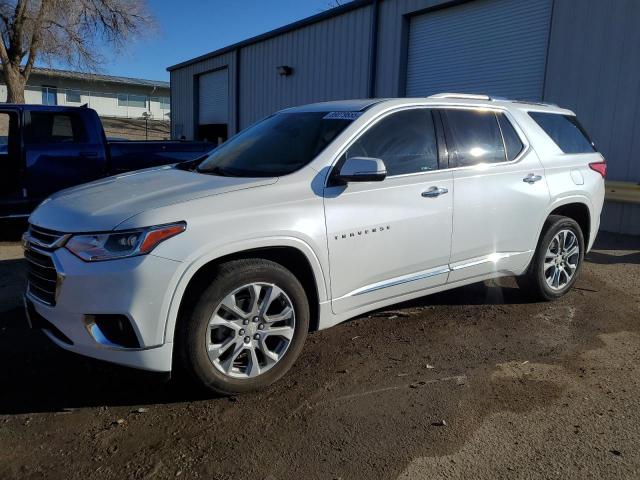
(46, 127)
(4, 133)
(276, 146)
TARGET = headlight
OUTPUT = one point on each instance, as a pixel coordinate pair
(107, 246)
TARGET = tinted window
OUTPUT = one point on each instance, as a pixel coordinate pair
(279, 145)
(512, 141)
(565, 131)
(5, 123)
(473, 137)
(47, 127)
(404, 141)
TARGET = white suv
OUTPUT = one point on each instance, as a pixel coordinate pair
(220, 267)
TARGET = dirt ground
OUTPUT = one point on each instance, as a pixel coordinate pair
(473, 383)
(135, 129)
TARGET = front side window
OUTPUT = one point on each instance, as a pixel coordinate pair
(405, 141)
(45, 127)
(473, 137)
(565, 131)
(279, 145)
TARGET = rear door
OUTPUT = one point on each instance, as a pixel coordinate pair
(390, 238)
(501, 193)
(60, 152)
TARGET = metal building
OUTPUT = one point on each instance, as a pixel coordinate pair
(580, 54)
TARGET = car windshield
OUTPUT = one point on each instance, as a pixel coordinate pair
(276, 146)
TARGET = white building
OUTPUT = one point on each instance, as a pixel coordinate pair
(110, 96)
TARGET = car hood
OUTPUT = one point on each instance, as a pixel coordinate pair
(104, 204)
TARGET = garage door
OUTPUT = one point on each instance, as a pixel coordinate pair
(214, 97)
(495, 47)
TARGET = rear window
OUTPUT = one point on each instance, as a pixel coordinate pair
(565, 131)
(46, 127)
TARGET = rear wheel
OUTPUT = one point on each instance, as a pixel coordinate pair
(557, 260)
(247, 328)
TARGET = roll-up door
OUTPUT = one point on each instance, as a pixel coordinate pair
(495, 47)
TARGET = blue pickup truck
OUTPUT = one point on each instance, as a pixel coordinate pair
(44, 149)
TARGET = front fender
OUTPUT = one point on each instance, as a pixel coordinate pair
(192, 266)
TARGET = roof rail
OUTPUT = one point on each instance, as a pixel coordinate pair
(468, 96)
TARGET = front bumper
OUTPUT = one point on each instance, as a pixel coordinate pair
(138, 288)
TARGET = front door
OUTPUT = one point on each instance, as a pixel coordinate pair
(10, 166)
(501, 194)
(390, 238)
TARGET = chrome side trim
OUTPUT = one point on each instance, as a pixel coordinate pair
(493, 258)
(413, 277)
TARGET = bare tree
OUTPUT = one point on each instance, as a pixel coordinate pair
(67, 31)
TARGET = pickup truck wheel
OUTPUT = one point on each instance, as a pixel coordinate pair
(557, 260)
(247, 328)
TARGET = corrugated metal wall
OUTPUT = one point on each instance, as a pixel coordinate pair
(329, 59)
(594, 69)
(184, 93)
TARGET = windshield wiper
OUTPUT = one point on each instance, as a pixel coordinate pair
(218, 171)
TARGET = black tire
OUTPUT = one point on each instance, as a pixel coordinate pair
(191, 334)
(533, 282)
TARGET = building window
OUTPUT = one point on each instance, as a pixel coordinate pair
(139, 101)
(73, 96)
(165, 103)
(49, 96)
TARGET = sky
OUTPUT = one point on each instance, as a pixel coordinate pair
(188, 28)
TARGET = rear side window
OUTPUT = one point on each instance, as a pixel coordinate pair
(565, 131)
(512, 142)
(405, 141)
(45, 127)
(473, 137)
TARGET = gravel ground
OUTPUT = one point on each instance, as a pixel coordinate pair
(473, 383)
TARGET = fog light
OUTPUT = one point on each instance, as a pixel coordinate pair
(112, 330)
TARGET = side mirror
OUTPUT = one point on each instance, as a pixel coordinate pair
(363, 169)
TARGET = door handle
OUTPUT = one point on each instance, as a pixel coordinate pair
(435, 192)
(88, 154)
(531, 178)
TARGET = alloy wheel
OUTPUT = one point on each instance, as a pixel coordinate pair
(250, 330)
(561, 259)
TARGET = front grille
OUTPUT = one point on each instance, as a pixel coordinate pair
(45, 238)
(42, 275)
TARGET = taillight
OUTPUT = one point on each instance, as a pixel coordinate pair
(600, 167)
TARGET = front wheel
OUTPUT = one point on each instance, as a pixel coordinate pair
(246, 329)
(557, 260)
